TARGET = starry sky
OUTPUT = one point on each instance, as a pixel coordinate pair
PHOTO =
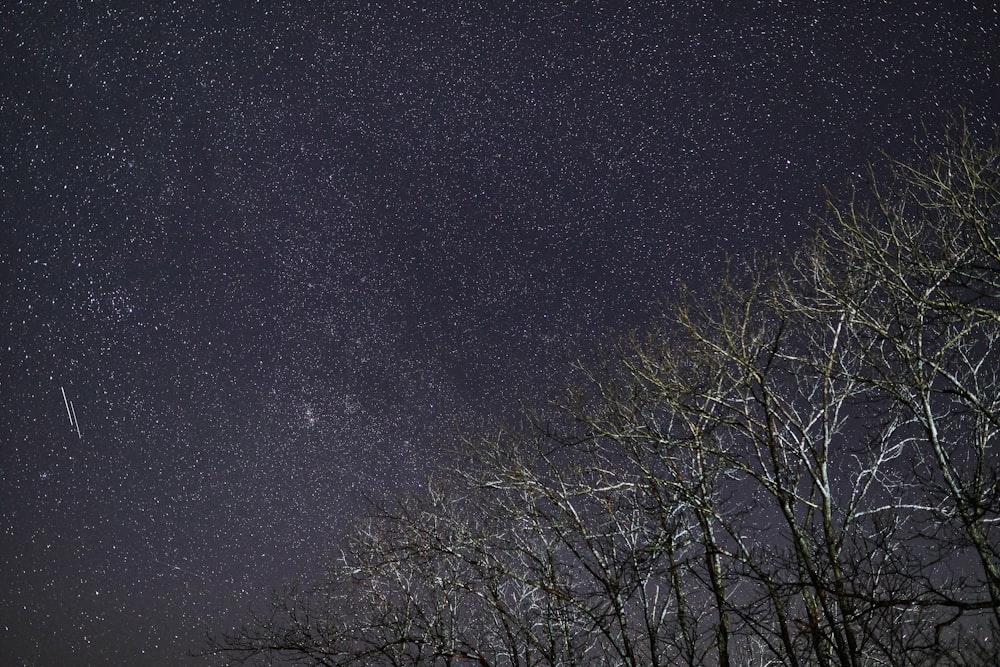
(259, 261)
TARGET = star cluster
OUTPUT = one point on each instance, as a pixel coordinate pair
(275, 255)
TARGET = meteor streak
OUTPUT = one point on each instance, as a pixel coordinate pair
(66, 401)
(71, 413)
(75, 422)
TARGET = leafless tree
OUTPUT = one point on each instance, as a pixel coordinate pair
(798, 467)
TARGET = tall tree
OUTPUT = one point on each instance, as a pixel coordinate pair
(798, 468)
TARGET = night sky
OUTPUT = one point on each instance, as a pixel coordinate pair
(259, 262)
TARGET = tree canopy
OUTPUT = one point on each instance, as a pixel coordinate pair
(798, 466)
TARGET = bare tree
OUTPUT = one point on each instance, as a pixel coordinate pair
(926, 304)
(797, 468)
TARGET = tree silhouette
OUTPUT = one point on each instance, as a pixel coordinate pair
(799, 467)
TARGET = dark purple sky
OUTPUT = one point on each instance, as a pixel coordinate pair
(273, 255)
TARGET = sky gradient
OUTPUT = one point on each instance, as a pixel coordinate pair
(274, 254)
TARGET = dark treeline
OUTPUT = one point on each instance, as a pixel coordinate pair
(797, 467)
